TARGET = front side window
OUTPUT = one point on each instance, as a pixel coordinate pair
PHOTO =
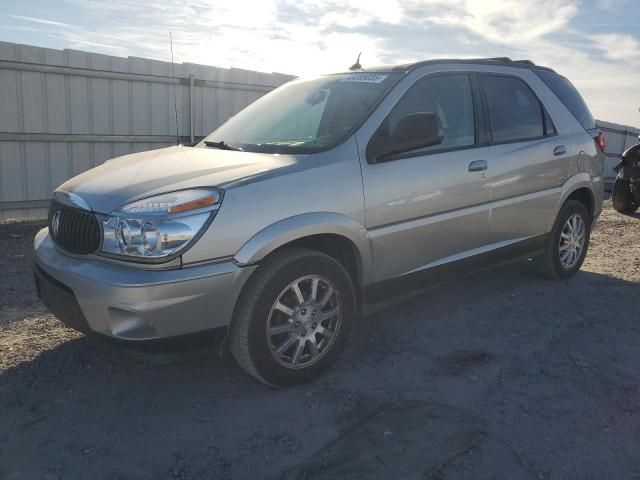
(448, 96)
(515, 112)
(306, 116)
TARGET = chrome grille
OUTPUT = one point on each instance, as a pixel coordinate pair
(76, 231)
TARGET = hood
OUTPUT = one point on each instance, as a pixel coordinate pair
(125, 179)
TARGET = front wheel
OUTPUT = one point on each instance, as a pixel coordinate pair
(621, 196)
(293, 318)
(568, 241)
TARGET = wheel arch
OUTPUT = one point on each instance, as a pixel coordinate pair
(335, 234)
(585, 196)
(580, 188)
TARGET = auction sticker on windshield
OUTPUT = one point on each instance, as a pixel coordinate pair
(364, 77)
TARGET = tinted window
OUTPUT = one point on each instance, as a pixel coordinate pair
(516, 113)
(568, 95)
(549, 128)
(450, 97)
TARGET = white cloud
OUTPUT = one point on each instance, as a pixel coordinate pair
(620, 47)
(307, 37)
(503, 21)
(41, 21)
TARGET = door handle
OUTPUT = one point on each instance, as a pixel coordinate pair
(478, 166)
(560, 150)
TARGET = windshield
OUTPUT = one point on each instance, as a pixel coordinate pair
(305, 116)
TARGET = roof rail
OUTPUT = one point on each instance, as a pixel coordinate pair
(508, 60)
(526, 62)
(485, 61)
(497, 59)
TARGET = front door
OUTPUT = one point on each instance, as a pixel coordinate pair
(428, 207)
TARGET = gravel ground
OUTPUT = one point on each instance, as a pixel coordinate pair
(550, 370)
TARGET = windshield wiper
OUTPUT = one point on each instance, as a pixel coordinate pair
(222, 146)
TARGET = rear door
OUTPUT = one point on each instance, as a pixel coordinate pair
(429, 206)
(528, 162)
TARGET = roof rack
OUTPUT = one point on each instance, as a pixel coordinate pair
(481, 61)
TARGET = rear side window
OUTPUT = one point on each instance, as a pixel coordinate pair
(515, 112)
(568, 95)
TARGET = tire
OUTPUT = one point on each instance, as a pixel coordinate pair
(553, 265)
(621, 197)
(262, 308)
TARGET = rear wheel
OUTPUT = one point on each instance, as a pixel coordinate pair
(568, 241)
(621, 196)
(293, 318)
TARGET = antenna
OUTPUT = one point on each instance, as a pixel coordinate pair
(356, 66)
(175, 102)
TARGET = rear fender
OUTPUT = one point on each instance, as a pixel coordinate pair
(581, 180)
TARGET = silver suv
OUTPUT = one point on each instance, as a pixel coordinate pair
(321, 199)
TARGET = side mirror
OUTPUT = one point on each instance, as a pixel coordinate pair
(415, 131)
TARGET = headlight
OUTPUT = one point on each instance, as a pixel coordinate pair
(159, 226)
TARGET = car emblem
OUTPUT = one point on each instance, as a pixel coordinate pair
(55, 223)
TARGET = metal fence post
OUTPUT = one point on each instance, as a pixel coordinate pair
(191, 132)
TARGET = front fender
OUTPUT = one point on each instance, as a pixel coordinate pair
(304, 225)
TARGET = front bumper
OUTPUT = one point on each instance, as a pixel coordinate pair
(132, 303)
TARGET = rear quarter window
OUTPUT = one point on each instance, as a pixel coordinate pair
(569, 96)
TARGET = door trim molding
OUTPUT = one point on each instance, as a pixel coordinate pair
(466, 254)
(433, 274)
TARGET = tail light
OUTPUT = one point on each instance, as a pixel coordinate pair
(600, 141)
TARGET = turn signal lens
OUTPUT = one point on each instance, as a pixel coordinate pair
(193, 205)
(175, 202)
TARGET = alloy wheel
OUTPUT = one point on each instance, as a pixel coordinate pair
(304, 321)
(572, 240)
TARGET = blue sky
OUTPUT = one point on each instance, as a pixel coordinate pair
(595, 43)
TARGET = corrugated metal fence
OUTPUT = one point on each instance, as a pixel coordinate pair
(617, 139)
(64, 111)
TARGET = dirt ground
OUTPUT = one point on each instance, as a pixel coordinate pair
(547, 372)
